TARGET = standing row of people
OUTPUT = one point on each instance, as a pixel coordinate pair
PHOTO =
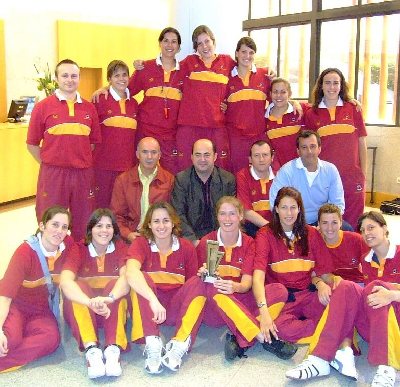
(182, 103)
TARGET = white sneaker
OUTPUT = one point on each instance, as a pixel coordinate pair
(309, 368)
(385, 377)
(113, 364)
(94, 362)
(174, 353)
(344, 363)
(153, 351)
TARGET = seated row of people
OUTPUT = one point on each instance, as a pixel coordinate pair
(298, 295)
(195, 191)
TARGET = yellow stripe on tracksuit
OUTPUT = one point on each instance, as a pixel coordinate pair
(73, 128)
(120, 335)
(314, 338)
(164, 92)
(246, 327)
(164, 277)
(393, 340)
(292, 265)
(209, 76)
(283, 132)
(84, 321)
(190, 318)
(137, 325)
(333, 129)
(247, 95)
(261, 205)
(274, 310)
(120, 122)
(11, 369)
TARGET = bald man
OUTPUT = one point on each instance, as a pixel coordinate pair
(139, 187)
(197, 190)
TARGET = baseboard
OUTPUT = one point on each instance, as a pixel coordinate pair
(379, 197)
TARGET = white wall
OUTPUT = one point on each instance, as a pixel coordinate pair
(224, 17)
(30, 30)
(387, 158)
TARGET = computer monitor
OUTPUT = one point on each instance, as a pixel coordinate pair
(31, 103)
(17, 110)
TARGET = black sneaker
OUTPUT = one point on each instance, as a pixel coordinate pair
(232, 348)
(280, 348)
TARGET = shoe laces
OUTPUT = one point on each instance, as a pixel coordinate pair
(383, 378)
(112, 350)
(178, 349)
(153, 350)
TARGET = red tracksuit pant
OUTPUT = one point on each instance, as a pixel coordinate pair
(203, 303)
(337, 322)
(29, 336)
(84, 323)
(72, 188)
(380, 328)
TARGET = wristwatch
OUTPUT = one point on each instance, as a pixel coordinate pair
(261, 304)
(112, 297)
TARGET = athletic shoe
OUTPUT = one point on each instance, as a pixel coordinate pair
(385, 377)
(344, 363)
(280, 348)
(153, 351)
(232, 348)
(174, 353)
(113, 364)
(309, 368)
(94, 362)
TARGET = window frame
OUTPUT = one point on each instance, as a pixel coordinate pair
(315, 18)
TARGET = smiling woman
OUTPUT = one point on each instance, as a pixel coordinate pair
(94, 289)
(24, 304)
(117, 116)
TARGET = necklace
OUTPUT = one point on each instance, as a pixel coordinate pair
(167, 88)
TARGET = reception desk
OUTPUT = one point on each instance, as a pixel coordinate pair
(18, 169)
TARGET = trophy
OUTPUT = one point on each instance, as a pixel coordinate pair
(214, 257)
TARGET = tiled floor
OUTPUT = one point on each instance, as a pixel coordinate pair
(204, 367)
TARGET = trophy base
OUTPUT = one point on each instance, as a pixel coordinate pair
(209, 278)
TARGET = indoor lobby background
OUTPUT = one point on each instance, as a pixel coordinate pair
(93, 33)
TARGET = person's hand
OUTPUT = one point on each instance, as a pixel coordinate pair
(380, 296)
(223, 106)
(96, 95)
(202, 270)
(138, 64)
(357, 104)
(159, 312)
(3, 344)
(271, 73)
(99, 300)
(100, 308)
(267, 325)
(297, 109)
(324, 293)
(224, 286)
(132, 236)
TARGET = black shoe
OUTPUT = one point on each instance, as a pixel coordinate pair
(232, 349)
(280, 348)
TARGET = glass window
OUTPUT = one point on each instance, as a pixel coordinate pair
(373, 1)
(294, 62)
(264, 8)
(379, 65)
(329, 4)
(295, 6)
(342, 55)
(267, 47)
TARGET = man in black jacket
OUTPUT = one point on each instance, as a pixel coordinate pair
(197, 190)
